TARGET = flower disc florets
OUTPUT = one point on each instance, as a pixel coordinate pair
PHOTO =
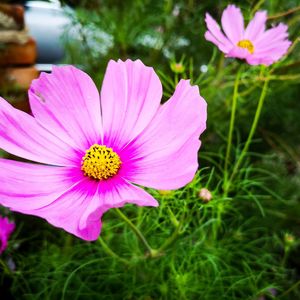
(246, 44)
(100, 162)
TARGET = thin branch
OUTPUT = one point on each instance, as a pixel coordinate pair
(285, 13)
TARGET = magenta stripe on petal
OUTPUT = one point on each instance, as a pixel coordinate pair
(26, 186)
(168, 148)
(80, 209)
(67, 103)
(130, 96)
(23, 136)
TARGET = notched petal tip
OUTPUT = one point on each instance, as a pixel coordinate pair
(262, 13)
(208, 18)
(232, 9)
(194, 88)
(282, 26)
(56, 69)
(207, 35)
(232, 6)
(135, 63)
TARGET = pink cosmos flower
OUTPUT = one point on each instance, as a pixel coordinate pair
(255, 44)
(6, 228)
(91, 149)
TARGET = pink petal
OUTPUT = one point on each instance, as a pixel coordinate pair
(165, 155)
(80, 209)
(215, 35)
(6, 228)
(67, 210)
(23, 136)
(273, 43)
(271, 36)
(271, 46)
(233, 23)
(67, 103)
(256, 60)
(269, 55)
(169, 172)
(256, 26)
(26, 186)
(238, 52)
(275, 48)
(112, 193)
(130, 96)
(117, 191)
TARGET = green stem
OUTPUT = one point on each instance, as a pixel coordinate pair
(172, 217)
(169, 241)
(290, 289)
(231, 128)
(218, 223)
(137, 232)
(4, 266)
(110, 252)
(176, 80)
(68, 244)
(252, 130)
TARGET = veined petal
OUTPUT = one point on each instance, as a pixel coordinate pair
(166, 172)
(26, 186)
(256, 26)
(271, 37)
(233, 23)
(23, 136)
(165, 156)
(130, 96)
(80, 209)
(271, 46)
(257, 60)
(67, 103)
(273, 50)
(269, 55)
(117, 191)
(215, 35)
(112, 193)
(6, 228)
(238, 52)
(66, 210)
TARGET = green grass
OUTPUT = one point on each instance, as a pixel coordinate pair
(223, 250)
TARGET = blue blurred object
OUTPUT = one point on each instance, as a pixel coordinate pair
(46, 22)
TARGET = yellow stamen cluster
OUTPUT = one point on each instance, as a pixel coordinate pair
(100, 162)
(246, 44)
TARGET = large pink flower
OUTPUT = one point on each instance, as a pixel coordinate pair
(6, 228)
(255, 44)
(92, 148)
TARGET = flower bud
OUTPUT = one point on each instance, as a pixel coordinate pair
(205, 195)
(177, 67)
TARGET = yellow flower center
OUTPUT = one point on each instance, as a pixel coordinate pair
(246, 44)
(100, 162)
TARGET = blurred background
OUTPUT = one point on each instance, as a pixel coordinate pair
(254, 252)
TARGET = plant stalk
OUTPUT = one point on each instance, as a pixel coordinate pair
(231, 128)
(137, 232)
(252, 130)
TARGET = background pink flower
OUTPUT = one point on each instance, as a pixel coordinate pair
(91, 151)
(255, 44)
(6, 228)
